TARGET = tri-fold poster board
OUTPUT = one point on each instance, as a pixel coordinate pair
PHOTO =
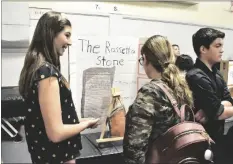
(102, 63)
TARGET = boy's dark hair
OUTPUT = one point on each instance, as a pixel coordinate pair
(184, 62)
(204, 37)
(175, 45)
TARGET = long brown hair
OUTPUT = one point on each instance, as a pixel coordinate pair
(158, 51)
(41, 48)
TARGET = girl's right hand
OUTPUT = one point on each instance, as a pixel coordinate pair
(92, 123)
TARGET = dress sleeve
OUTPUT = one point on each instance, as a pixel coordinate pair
(46, 71)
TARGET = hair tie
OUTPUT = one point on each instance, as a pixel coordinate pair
(166, 64)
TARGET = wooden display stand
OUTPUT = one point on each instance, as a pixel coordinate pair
(115, 98)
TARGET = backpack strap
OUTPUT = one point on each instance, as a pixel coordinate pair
(185, 107)
(181, 112)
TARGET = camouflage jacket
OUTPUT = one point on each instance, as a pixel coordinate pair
(148, 117)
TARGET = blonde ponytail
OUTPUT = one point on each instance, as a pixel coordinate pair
(173, 78)
(159, 53)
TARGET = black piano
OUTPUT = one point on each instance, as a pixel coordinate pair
(13, 113)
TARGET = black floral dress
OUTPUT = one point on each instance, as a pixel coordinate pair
(43, 150)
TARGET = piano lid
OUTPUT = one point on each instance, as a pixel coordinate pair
(10, 93)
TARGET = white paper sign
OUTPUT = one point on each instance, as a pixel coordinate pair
(230, 74)
(103, 63)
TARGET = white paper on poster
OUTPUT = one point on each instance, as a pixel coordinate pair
(103, 63)
(230, 74)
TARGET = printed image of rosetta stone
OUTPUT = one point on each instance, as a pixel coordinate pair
(96, 92)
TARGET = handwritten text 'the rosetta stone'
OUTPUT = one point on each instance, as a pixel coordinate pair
(95, 48)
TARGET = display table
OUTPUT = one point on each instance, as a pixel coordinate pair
(91, 153)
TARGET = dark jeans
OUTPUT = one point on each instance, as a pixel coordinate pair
(229, 144)
(223, 149)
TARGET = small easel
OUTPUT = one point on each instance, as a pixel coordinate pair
(115, 98)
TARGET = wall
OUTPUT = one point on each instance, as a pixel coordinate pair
(15, 16)
(15, 40)
(207, 13)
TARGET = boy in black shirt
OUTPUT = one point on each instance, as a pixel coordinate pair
(212, 99)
